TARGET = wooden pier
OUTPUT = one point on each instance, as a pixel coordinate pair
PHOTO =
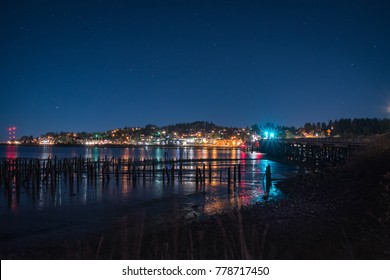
(314, 150)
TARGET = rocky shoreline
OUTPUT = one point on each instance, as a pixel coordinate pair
(336, 213)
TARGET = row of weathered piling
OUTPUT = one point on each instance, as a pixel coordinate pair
(32, 172)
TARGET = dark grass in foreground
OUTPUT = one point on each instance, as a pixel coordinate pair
(337, 213)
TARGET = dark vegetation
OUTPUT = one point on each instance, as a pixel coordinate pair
(351, 127)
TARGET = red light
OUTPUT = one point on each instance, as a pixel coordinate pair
(11, 133)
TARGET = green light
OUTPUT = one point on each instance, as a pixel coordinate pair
(269, 134)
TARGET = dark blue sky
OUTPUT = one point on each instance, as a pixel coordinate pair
(98, 65)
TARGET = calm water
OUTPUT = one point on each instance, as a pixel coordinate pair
(87, 207)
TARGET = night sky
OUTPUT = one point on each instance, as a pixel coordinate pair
(99, 65)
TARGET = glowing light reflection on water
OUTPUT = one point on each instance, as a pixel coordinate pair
(118, 197)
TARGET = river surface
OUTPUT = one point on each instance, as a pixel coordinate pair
(91, 207)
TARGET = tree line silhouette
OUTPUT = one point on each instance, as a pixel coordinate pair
(347, 127)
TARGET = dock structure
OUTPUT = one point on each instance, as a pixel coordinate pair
(329, 150)
(340, 142)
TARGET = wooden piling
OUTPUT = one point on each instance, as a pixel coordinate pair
(167, 173)
(268, 177)
(173, 172)
(204, 173)
(234, 173)
(134, 174)
(144, 171)
(210, 172)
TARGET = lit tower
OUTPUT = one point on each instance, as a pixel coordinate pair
(12, 133)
